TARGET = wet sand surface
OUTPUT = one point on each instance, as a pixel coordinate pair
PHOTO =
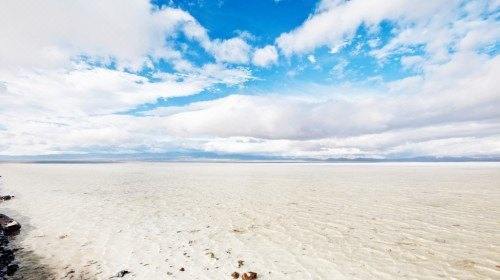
(285, 221)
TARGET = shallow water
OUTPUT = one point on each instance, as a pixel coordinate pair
(285, 221)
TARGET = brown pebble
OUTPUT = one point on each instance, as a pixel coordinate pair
(240, 263)
(182, 269)
(249, 276)
(235, 275)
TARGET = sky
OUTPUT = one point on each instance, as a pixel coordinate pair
(256, 79)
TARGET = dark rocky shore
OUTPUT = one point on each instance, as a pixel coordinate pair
(17, 263)
(8, 264)
(9, 228)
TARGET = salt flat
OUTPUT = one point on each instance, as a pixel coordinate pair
(284, 220)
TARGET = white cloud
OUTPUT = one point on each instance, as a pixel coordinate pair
(338, 71)
(278, 117)
(334, 21)
(448, 112)
(86, 90)
(412, 61)
(50, 34)
(437, 25)
(436, 109)
(234, 50)
(311, 58)
(57, 96)
(47, 34)
(265, 56)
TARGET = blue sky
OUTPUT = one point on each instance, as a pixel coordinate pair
(264, 21)
(258, 79)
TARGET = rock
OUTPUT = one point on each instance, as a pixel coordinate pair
(8, 265)
(6, 197)
(249, 276)
(122, 273)
(235, 275)
(11, 269)
(240, 263)
(182, 269)
(8, 225)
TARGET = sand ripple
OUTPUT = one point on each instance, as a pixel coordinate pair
(286, 221)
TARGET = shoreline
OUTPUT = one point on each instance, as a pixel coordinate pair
(8, 264)
(16, 263)
(9, 229)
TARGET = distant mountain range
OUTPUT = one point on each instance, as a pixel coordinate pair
(196, 156)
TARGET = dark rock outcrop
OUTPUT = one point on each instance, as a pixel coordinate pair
(8, 225)
(8, 266)
(6, 197)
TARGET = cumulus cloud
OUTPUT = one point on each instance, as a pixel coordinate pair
(265, 56)
(444, 95)
(51, 33)
(234, 50)
(87, 90)
(67, 69)
(60, 51)
(452, 112)
(437, 25)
